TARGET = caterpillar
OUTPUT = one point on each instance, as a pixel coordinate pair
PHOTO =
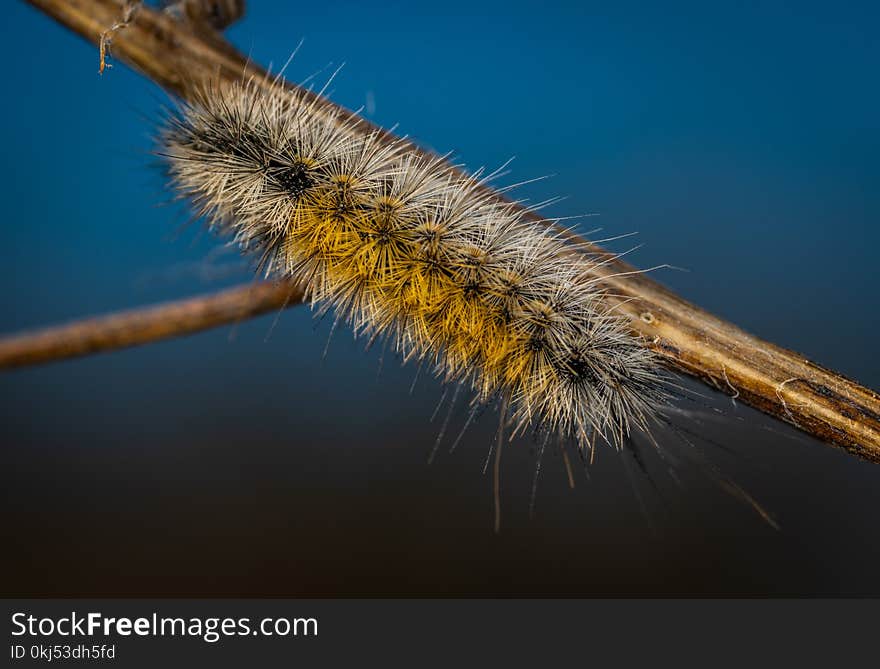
(404, 248)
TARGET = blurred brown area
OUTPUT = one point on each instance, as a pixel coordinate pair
(214, 467)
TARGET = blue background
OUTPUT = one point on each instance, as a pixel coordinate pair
(740, 140)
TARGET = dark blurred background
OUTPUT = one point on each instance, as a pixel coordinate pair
(740, 140)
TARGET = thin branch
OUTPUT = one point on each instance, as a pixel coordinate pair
(141, 326)
(779, 382)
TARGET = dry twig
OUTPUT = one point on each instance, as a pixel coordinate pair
(141, 326)
(779, 382)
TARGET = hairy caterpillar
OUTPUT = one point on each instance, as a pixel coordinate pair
(404, 248)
